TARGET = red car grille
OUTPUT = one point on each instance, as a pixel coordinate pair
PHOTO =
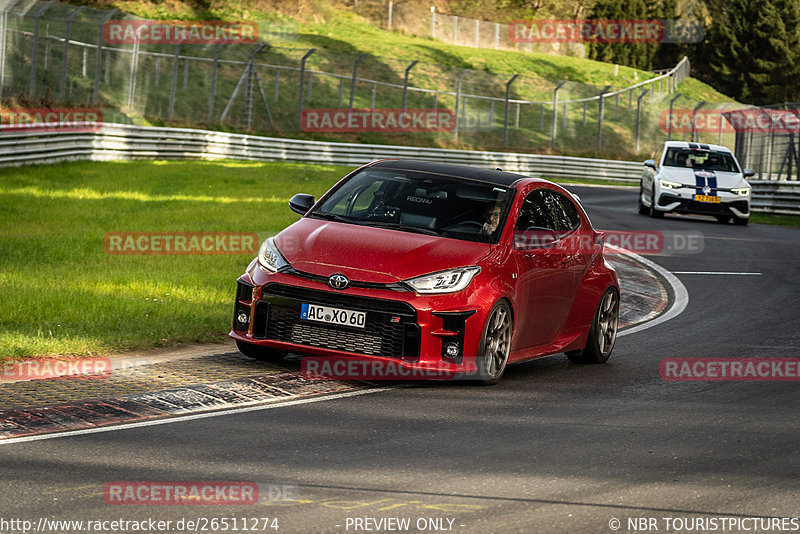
(391, 328)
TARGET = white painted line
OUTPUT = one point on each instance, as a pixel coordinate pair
(182, 418)
(717, 273)
(681, 294)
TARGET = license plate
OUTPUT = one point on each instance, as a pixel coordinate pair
(326, 314)
(707, 198)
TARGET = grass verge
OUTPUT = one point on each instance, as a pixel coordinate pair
(65, 295)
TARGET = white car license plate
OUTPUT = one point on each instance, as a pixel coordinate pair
(326, 314)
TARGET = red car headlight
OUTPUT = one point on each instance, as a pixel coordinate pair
(449, 281)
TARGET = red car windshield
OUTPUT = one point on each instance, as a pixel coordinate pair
(420, 202)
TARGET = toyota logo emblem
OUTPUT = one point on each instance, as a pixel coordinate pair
(338, 281)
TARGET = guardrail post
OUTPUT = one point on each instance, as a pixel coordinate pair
(3, 26)
(554, 130)
(302, 86)
(669, 117)
(505, 121)
(694, 119)
(35, 51)
(600, 118)
(638, 114)
(405, 82)
(353, 80)
(63, 87)
(458, 98)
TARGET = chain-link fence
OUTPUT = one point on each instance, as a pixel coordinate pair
(56, 55)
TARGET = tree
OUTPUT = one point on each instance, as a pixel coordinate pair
(639, 55)
(752, 50)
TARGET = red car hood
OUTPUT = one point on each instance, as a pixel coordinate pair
(371, 254)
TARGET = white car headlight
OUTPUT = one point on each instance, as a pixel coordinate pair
(444, 281)
(270, 257)
(666, 184)
(741, 191)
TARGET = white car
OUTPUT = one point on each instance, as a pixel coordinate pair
(695, 178)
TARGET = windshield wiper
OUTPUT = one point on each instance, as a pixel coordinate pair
(402, 227)
(330, 217)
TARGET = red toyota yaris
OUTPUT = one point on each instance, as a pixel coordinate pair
(432, 266)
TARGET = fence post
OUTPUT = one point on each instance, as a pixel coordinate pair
(433, 22)
(134, 66)
(477, 32)
(555, 113)
(99, 59)
(173, 84)
(63, 87)
(389, 22)
(353, 80)
(638, 113)
(3, 24)
(505, 121)
(600, 118)
(405, 82)
(455, 28)
(496, 35)
(302, 86)
(35, 51)
(541, 117)
(669, 117)
(719, 127)
(694, 119)
(245, 74)
(458, 98)
(214, 69)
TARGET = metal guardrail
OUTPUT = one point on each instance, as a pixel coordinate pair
(780, 198)
(119, 141)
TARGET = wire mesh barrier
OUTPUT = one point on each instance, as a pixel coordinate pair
(253, 77)
(56, 55)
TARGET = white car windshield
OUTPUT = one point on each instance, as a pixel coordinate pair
(708, 160)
